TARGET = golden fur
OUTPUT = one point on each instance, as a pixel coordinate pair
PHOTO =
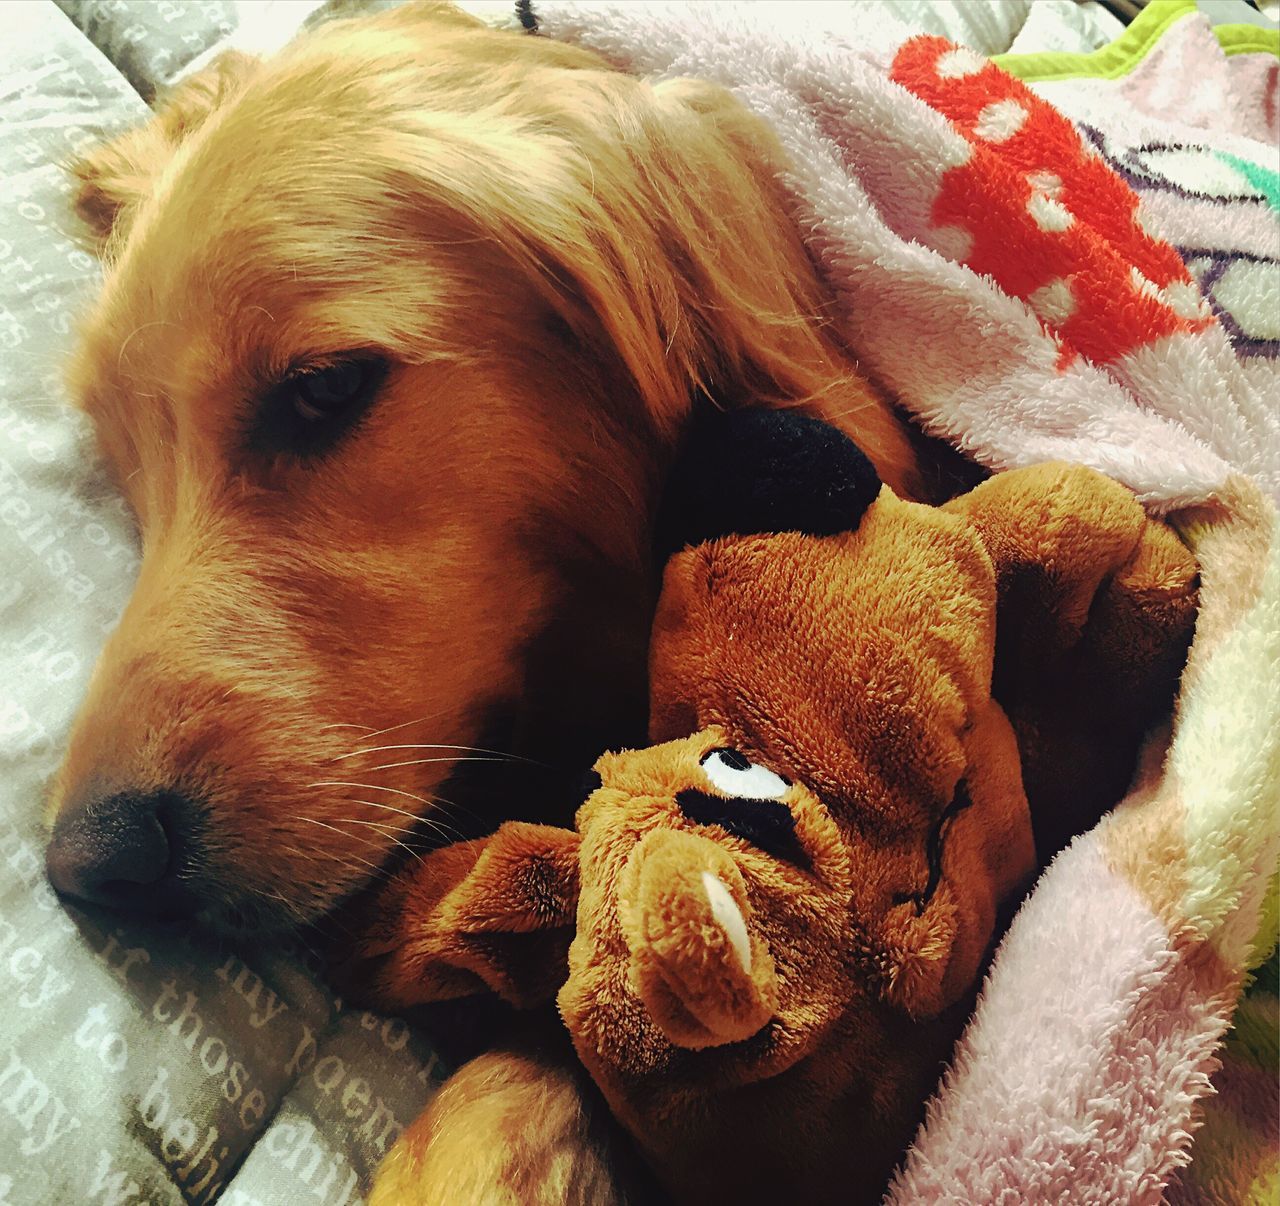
(520, 1129)
(553, 257)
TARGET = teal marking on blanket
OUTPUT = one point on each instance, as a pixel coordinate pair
(1262, 178)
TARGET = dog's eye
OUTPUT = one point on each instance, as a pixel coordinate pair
(310, 410)
(734, 774)
(322, 393)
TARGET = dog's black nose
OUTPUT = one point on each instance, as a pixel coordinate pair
(126, 852)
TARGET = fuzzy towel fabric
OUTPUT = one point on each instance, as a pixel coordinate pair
(1173, 66)
(1044, 281)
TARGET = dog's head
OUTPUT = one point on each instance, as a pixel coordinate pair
(396, 332)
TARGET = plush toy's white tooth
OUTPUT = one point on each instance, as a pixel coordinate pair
(725, 910)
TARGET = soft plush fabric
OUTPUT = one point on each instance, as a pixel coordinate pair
(1236, 1154)
(783, 906)
(1026, 301)
(1150, 48)
(1204, 160)
(1222, 208)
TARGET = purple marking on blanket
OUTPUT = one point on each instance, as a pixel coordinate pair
(1143, 177)
(1245, 344)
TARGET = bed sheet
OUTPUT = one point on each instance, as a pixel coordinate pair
(136, 1064)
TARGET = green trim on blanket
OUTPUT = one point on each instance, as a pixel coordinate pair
(1247, 39)
(1131, 47)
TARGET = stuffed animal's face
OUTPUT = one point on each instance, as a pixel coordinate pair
(858, 665)
(698, 870)
(833, 838)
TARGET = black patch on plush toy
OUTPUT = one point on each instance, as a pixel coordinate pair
(766, 824)
(933, 849)
(746, 472)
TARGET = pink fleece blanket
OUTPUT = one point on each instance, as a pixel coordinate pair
(1034, 287)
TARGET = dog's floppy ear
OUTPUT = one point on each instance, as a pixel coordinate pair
(114, 176)
(754, 471)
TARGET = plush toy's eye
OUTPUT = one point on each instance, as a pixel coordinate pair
(734, 774)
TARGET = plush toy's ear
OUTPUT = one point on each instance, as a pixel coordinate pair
(745, 472)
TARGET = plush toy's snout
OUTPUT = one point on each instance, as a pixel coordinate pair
(698, 967)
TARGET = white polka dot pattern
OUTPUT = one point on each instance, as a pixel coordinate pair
(1000, 120)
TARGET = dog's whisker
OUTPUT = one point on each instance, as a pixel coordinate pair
(429, 801)
(430, 822)
(374, 867)
(452, 812)
(382, 826)
(427, 761)
(426, 819)
(442, 807)
(404, 812)
(298, 853)
(404, 724)
(323, 825)
(435, 745)
(391, 831)
(448, 832)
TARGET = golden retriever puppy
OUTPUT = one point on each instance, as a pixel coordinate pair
(398, 331)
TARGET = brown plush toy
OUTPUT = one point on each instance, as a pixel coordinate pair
(776, 916)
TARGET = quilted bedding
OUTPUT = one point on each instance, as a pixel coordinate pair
(143, 1065)
(135, 1065)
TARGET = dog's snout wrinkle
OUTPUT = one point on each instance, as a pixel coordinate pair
(125, 852)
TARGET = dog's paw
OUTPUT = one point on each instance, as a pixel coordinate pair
(512, 1126)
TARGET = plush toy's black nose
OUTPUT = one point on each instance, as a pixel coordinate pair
(747, 472)
(125, 852)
